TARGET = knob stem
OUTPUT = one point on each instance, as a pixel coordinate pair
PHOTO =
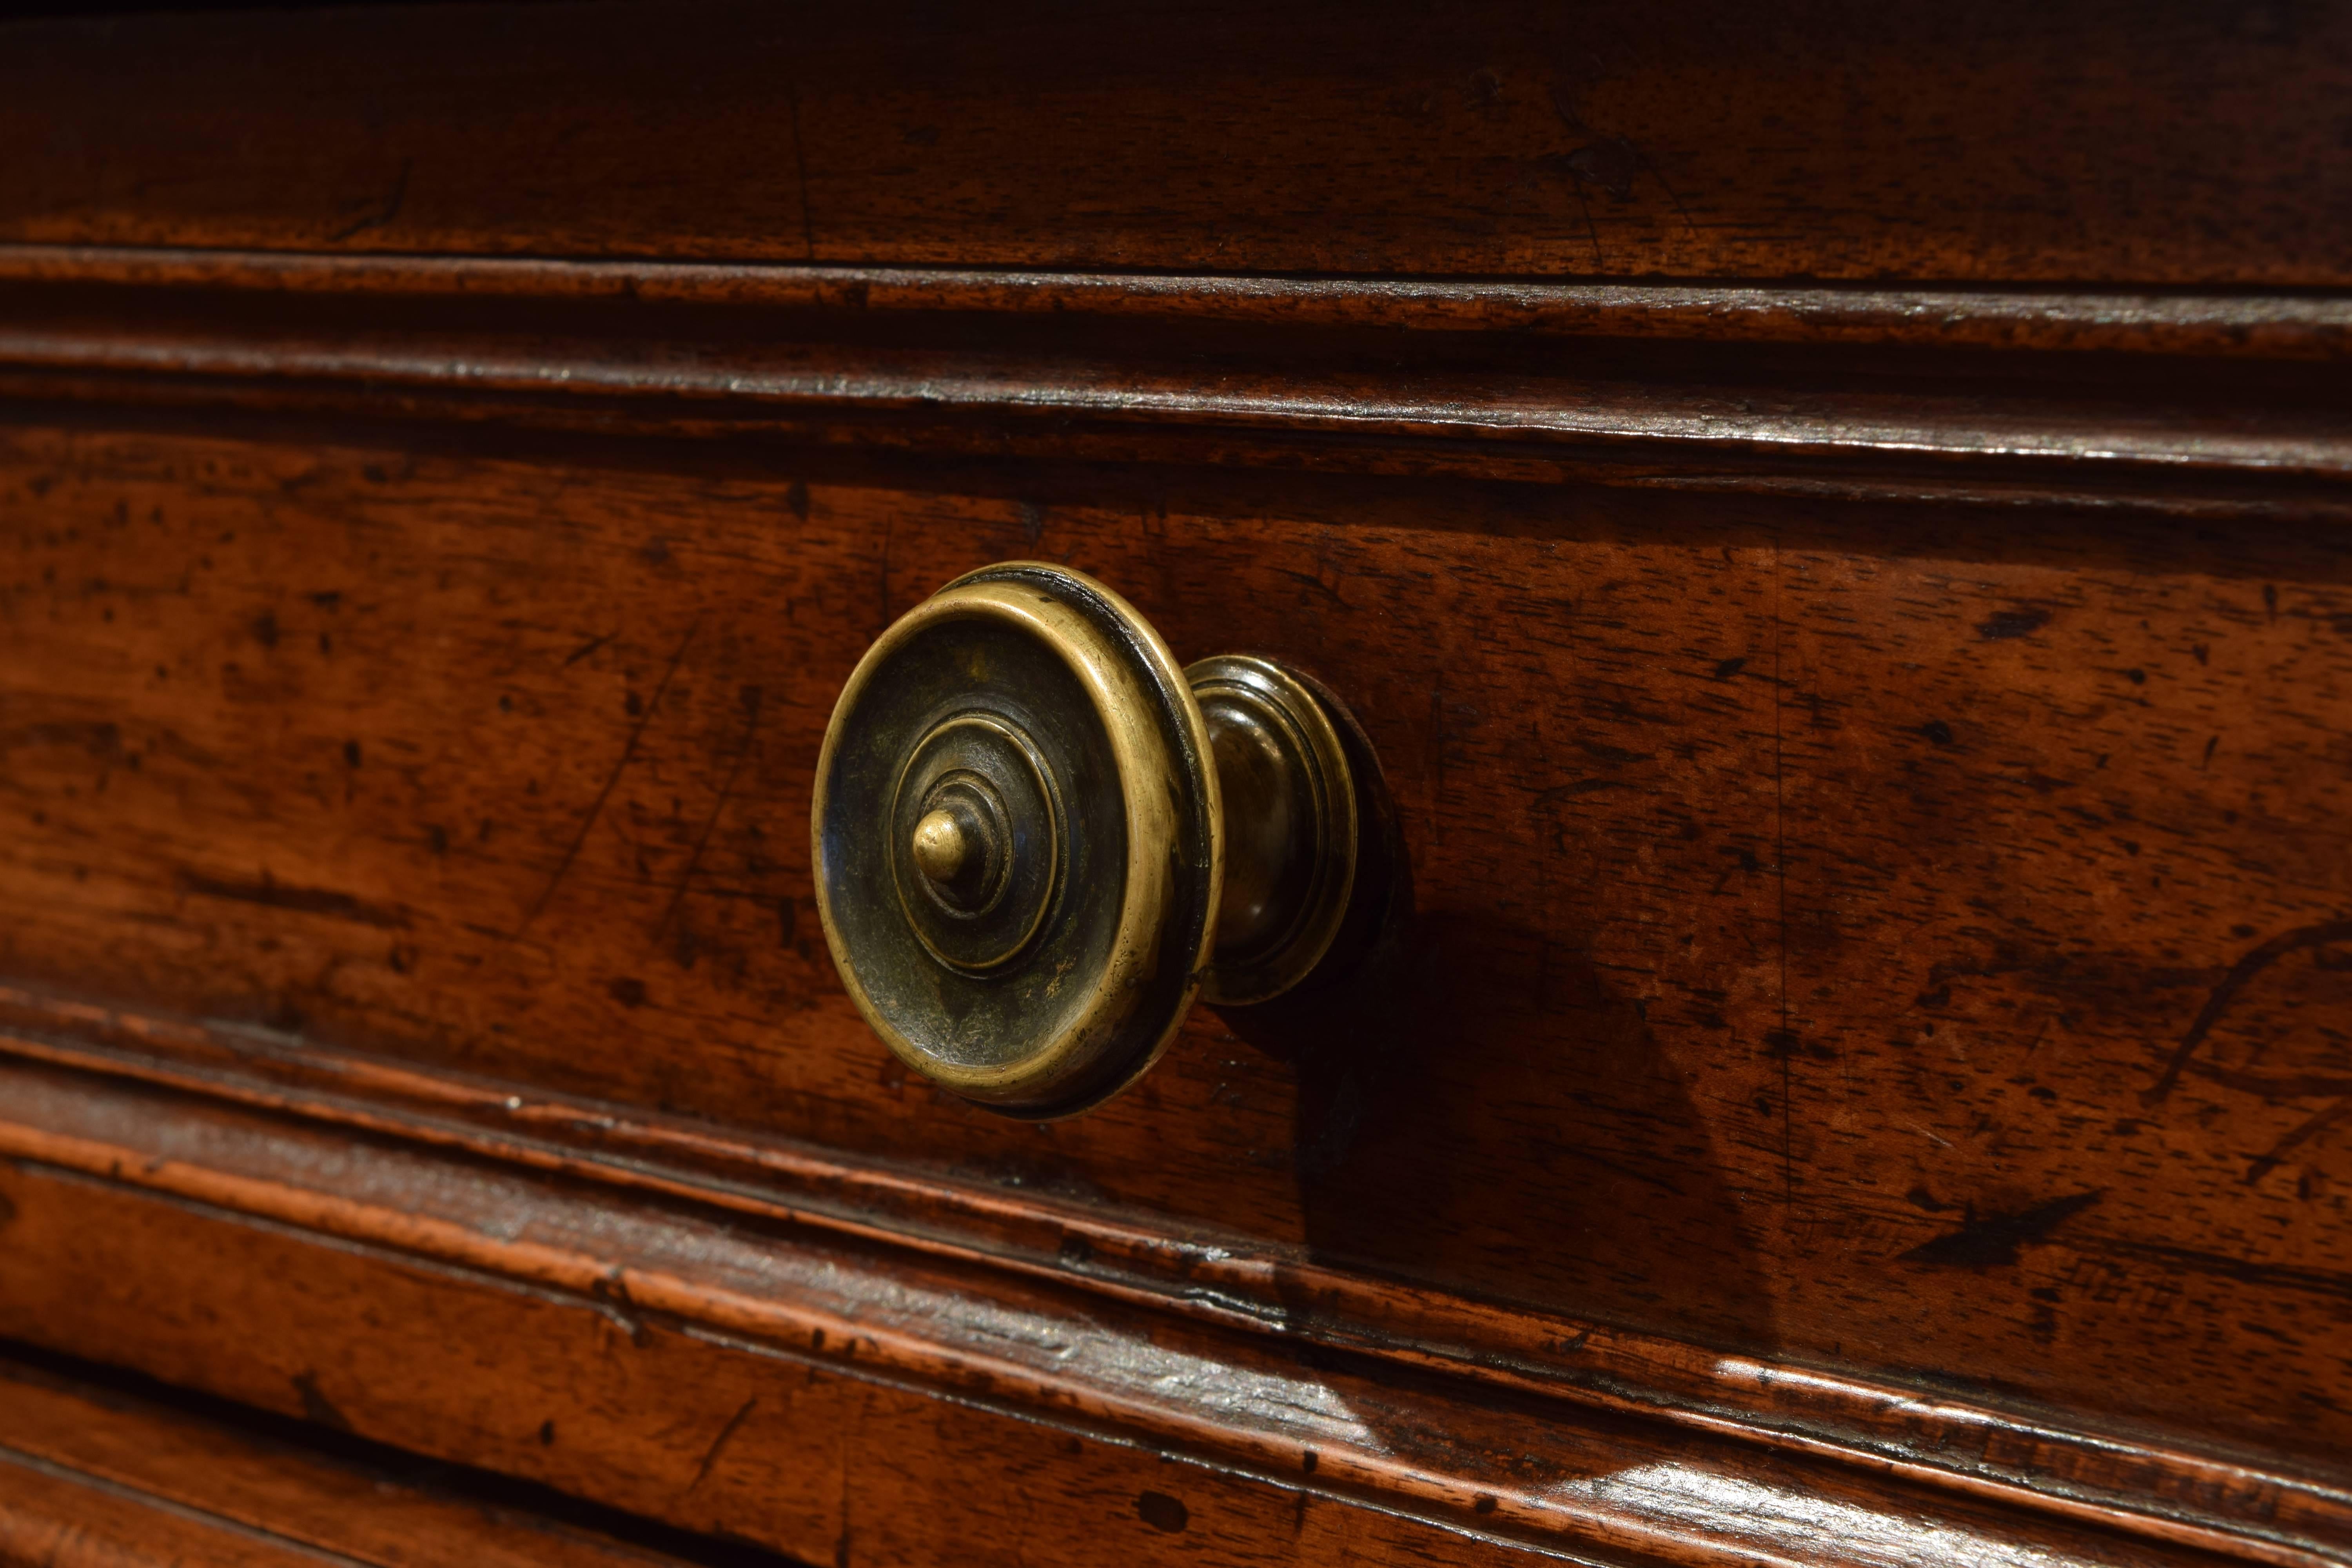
(1289, 820)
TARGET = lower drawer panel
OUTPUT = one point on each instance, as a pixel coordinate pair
(844, 1403)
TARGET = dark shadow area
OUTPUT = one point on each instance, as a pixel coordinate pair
(1479, 1109)
(1453, 1131)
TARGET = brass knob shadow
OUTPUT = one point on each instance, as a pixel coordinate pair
(1037, 839)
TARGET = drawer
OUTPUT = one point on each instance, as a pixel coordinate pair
(1853, 1056)
(1887, 933)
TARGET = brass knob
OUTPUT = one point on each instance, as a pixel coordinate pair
(1037, 839)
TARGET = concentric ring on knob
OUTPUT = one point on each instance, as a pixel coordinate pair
(977, 783)
(1038, 735)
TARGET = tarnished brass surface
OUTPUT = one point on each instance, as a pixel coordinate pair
(943, 849)
(1036, 838)
(1290, 827)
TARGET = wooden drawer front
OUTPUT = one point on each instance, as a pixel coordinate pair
(1898, 934)
(1864, 1039)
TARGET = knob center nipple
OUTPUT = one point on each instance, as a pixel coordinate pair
(943, 850)
(974, 842)
(961, 846)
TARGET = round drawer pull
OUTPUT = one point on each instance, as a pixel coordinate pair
(1036, 838)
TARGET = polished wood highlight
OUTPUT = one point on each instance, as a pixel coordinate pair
(2113, 1476)
(2051, 317)
(790, 1371)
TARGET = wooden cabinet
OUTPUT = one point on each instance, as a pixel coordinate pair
(1831, 521)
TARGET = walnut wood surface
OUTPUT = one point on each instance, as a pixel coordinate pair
(771, 1385)
(1861, 1072)
(2110, 1475)
(1811, 900)
(49, 1522)
(91, 1475)
(2073, 142)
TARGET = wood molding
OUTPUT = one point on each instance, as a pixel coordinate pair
(430, 1128)
(2188, 403)
(92, 1477)
(2200, 322)
(101, 1170)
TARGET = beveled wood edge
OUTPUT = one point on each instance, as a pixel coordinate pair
(1568, 417)
(2239, 1503)
(615, 366)
(1226, 1400)
(2233, 323)
(1898, 476)
(224, 1479)
(57, 1517)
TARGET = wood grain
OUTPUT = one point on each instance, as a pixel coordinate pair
(2071, 142)
(1832, 520)
(47, 1522)
(1810, 897)
(2110, 1473)
(91, 1475)
(771, 1385)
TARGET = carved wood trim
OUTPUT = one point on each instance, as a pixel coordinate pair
(2002, 397)
(2046, 1462)
(93, 1476)
(2203, 323)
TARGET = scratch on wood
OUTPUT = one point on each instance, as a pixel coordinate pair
(841, 1542)
(2242, 1271)
(752, 697)
(717, 1443)
(273, 894)
(2311, 1127)
(610, 1291)
(585, 649)
(2241, 972)
(628, 755)
(1671, 196)
(391, 208)
(1591, 231)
